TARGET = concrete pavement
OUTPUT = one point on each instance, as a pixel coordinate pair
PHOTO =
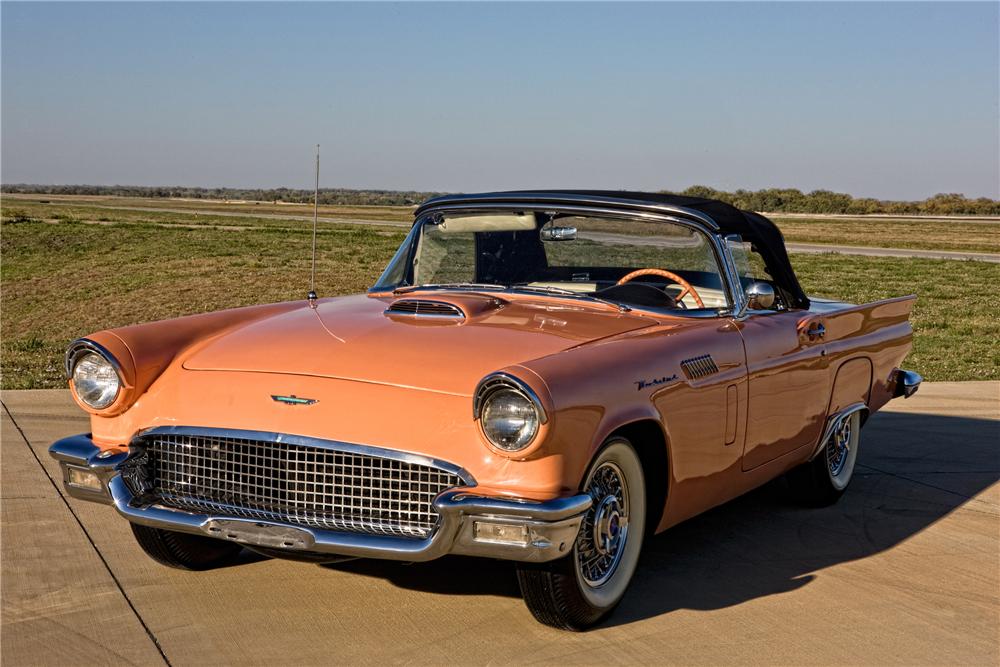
(904, 570)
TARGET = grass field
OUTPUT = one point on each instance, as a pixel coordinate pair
(79, 205)
(66, 278)
(893, 233)
(915, 233)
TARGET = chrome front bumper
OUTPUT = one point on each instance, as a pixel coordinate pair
(549, 528)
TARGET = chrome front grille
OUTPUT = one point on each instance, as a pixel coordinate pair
(344, 489)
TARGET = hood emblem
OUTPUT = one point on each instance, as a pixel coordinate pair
(293, 400)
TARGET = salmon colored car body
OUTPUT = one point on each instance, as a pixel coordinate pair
(542, 377)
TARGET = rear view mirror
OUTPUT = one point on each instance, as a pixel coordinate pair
(558, 233)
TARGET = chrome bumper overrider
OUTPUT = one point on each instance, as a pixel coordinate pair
(906, 383)
(550, 527)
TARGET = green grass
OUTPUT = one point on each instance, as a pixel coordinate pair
(955, 320)
(888, 233)
(61, 281)
(64, 279)
(955, 235)
(196, 212)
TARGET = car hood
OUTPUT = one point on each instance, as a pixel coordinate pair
(355, 338)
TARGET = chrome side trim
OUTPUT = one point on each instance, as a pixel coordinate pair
(834, 422)
(307, 441)
(906, 383)
(495, 381)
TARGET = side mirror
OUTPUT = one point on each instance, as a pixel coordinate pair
(760, 296)
(558, 233)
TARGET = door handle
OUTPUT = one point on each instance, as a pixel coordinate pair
(815, 331)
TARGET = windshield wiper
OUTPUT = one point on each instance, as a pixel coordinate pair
(440, 286)
(562, 291)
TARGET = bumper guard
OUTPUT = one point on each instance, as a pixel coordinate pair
(472, 521)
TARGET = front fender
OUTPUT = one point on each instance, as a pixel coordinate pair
(144, 351)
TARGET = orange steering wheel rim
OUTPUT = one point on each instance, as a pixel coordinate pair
(688, 287)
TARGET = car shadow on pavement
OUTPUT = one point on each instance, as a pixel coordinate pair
(913, 470)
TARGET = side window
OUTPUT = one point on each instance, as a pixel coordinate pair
(445, 257)
(750, 265)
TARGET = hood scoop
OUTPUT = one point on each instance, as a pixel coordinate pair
(455, 309)
(424, 308)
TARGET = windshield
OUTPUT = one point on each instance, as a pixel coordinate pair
(655, 264)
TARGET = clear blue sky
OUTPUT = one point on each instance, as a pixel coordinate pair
(894, 100)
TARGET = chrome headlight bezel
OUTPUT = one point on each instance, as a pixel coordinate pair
(81, 350)
(492, 387)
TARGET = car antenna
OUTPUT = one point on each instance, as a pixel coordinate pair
(312, 279)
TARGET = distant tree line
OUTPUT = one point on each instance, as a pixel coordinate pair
(776, 200)
(790, 200)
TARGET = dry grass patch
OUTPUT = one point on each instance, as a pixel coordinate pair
(917, 234)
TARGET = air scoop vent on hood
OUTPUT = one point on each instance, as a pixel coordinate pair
(425, 308)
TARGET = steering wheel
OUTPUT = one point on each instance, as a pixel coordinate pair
(688, 287)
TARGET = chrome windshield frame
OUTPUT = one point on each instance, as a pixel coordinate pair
(701, 224)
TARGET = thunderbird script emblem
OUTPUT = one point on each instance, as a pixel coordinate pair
(642, 384)
(293, 400)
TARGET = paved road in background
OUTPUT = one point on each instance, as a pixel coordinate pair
(979, 219)
(792, 247)
(904, 570)
(871, 251)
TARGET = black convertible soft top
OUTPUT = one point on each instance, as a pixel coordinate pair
(752, 227)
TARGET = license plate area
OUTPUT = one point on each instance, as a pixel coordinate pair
(259, 533)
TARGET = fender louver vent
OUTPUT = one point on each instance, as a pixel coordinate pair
(424, 308)
(699, 367)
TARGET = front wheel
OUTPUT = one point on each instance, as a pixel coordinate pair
(824, 479)
(580, 589)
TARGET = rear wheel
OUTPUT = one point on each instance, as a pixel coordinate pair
(578, 590)
(184, 551)
(824, 479)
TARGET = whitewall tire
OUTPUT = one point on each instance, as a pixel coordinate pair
(580, 589)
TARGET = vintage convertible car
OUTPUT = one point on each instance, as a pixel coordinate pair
(542, 377)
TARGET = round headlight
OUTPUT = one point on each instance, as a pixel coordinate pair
(509, 419)
(95, 380)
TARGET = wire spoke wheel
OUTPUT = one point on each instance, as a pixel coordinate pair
(838, 448)
(604, 532)
(578, 590)
(823, 480)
